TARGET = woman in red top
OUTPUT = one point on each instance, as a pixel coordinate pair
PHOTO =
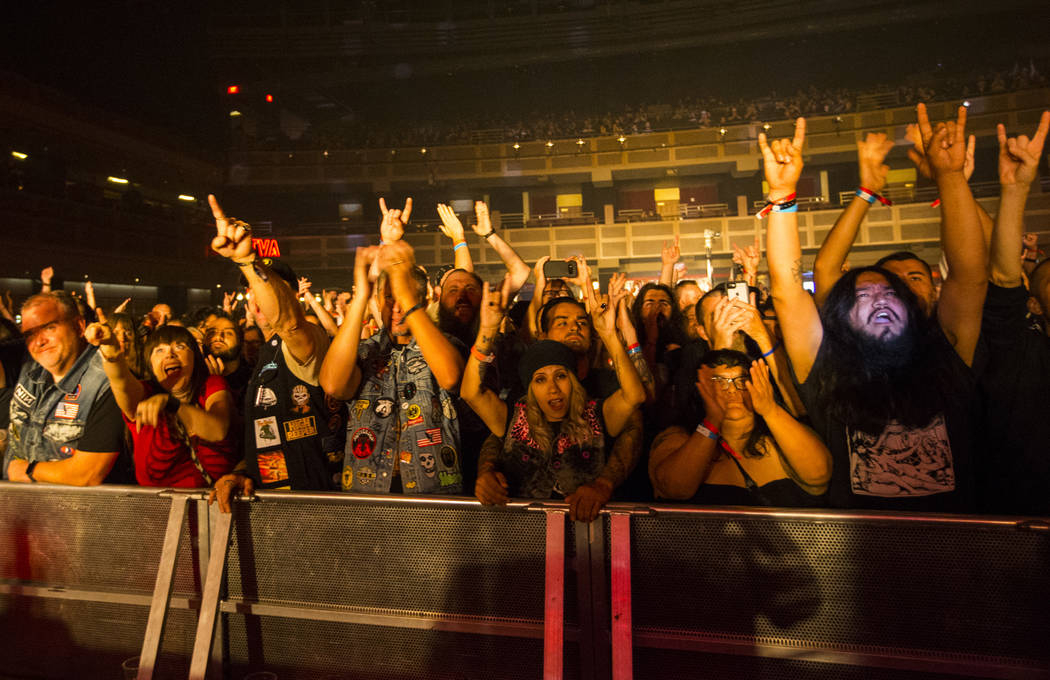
(180, 417)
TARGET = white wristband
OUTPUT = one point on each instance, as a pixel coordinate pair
(706, 432)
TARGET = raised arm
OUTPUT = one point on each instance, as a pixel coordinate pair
(827, 268)
(540, 282)
(127, 390)
(962, 237)
(397, 260)
(1018, 167)
(618, 301)
(669, 256)
(340, 375)
(327, 322)
(796, 310)
(749, 258)
(274, 298)
(805, 456)
(519, 271)
(631, 395)
(453, 228)
(490, 408)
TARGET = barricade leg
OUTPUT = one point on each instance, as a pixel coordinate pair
(205, 638)
(554, 610)
(622, 643)
(158, 610)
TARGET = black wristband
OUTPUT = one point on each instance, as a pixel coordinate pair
(173, 404)
(492, 232)
(29, 471)
(414, 308)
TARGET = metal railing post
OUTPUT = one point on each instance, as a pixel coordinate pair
(202, 643)
(158, 609)
(622, 643)
(554, 595)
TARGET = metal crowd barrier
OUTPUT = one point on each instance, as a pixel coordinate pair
(343, 586)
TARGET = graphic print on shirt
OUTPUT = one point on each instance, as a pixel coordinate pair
(272, 467)
(901, 461)
(266, 432)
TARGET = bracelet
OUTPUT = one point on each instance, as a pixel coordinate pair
(774, 348)
(414, 308)
(706, 432)
(935, 203)
(871, 196)
(707, 424)
(786, 206)
(769, 206)
(247, 264)
(457, 246)
(634, 348)
(492, 232)
(172, 405)
(29, 471)
(1031, 259)
(482, 356)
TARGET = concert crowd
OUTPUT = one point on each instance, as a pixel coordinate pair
(888, 388)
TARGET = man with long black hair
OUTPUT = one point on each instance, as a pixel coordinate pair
(891, 393)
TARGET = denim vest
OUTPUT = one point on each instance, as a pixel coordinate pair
(400, 411)
(47, 419)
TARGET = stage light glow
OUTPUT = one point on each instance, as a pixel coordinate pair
(116, 180)
(233, 89)
(234, 113)
(186, 197)
(269, 98)
(19, 155)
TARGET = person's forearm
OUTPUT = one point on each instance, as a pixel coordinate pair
(81, 469)
(987, 224)
(802, 449)
(462, 258)
(681, 473)
(784, 255)
(625, 452)
(961, 235)
(276, 301)
(626, 374)
(209, 426)
(327, 322)
(127, 390)
(519, 271)
(1004, 262)
(667, 273)
(827, 268)
(445, 362)
(339, 369)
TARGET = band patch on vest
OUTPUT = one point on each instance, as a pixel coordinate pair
(298, 429)
(265, 397)
(23, 397)
(66, 410)
(364, 443)
(430, 437)
(272, 467)
(301, 397)
(266, 432)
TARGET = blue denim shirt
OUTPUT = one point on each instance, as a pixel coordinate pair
(400, 417)
(47, 419)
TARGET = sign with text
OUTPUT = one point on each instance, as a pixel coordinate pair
(266, 247)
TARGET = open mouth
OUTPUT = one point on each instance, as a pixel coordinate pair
(171, 369)
(882, 317)
(556, 404)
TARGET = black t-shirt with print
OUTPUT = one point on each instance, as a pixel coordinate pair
(927, 469)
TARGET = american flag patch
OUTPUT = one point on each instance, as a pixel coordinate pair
(431, 437)
(66, 410)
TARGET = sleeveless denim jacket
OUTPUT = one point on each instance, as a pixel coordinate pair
(400, 412)
(47, 419)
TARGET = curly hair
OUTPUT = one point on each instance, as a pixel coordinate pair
(671, 332)
(574, 426)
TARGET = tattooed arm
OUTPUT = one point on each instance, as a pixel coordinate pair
(796, 311)
(625, 452)
(491, 487)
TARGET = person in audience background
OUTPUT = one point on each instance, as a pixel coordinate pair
(223, 339)
(179, 417)
(894, 401)
(65, 425)
(747, 450)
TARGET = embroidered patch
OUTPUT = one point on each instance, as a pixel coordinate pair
(384, 407)
(414, 421)
(428, 463)
(430, 437)
(266, 432)
(363, 442)
(272, 467)
(272, 366)
(66, 410)
(74, 395)
(409, 390)
(413, 411)
(448, 456)
(331, 403)
(365, 476)
(406, 457)
(301, 397)
(265, 397)
(359, 408)
(448, 410)
(298, 429)
(348, 477)
(23, 396)
(410, 485)
(449, 478)
(416, 364)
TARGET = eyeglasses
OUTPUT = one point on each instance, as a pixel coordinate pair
(739, 383)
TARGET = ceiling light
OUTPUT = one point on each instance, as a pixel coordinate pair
(234, 113)
(186, 197)
(19, 155)
(116, 180)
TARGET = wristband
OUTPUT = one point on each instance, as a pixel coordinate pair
(706, 432)
(29, 471)
(936, 203)
(1031, 259)
(786, 206)
(481, 356)
(492, 232)
(461, 244)
(247, 264)
(871, 196)
(172, 405)
(414, 308)
(707, 424)
(770, 352)
(769, 206)
(634, 348)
